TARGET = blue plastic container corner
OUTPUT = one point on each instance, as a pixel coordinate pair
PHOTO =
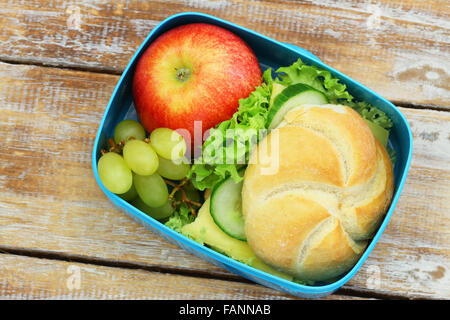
(270, 53)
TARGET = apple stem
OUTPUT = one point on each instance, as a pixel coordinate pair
(183, 74)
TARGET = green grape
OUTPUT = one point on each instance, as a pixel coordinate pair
(151, 189)
(158, 213)
(114, 173)
(171, 170)
(127, 129)
(168, 143)
(130, 194)
(140, 157)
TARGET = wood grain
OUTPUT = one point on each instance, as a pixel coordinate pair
(399, 48)
(49, 200)
(31, 278)
(413, 254)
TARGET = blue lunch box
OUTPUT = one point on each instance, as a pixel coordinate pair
(274, 54)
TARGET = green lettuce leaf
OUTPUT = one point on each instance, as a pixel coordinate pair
(223, 155)
(371, 113)
(181, 217)
(336, 91)
(216, 163)
(392, 154)
(317, 78)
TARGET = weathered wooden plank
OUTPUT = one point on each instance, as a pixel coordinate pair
(32, 278)
(398, 48)
(49, 200)
(413, 254)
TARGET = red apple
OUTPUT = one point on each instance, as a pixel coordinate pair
(195, 72)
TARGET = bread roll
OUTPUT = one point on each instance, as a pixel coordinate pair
(312, 216)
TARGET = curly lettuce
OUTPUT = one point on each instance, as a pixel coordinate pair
(181, 217)
(317, 78)
(215, 163)
(250, 121)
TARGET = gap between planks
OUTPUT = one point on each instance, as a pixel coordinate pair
(117, 72)
(51, 279)
(60, 256)
(64, 257)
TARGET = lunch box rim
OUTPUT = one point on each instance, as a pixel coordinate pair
(244, 270)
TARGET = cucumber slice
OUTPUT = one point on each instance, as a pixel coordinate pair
(226, 207)
(379, 132)
(293, 96)
(276, 89)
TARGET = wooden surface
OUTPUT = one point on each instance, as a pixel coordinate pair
(56, 77)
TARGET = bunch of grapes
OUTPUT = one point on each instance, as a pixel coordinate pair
(139, 169)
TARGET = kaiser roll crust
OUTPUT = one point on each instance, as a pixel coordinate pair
(334, 182)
